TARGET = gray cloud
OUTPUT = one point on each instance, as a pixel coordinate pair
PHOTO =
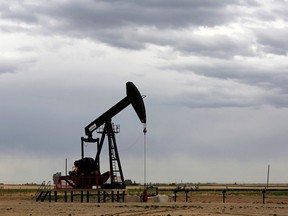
(8, 65)
(109, 14)
(234, 82)
(120, 23)
(273, 40)
(133, 25)
(214, 72)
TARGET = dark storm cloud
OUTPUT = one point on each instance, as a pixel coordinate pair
(109, 14)
(118, 23)
(174, 24)
(134, 24)
(17, 11)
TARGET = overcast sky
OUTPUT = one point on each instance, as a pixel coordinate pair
(214, 74)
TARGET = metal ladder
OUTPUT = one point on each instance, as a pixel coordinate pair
(42, 191)
(115, 168)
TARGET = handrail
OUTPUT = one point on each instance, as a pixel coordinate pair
(39, 190)
(43, 188)
(47, 186)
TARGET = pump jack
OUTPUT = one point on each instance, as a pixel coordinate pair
(86, 173)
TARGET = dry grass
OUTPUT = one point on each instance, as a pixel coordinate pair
(20, 201)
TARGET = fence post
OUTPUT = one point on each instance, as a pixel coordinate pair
(55, 196)
(118, 197)
(98, 195)
(263, 195)
(186, 192)
(81, 196)
(224, 195)
(72, 196)
(65, 196)
(175, 195)
(123, 196)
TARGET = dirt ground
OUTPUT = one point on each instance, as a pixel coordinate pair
(25, 204)
(30, 207)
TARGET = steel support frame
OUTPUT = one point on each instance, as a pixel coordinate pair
(113, 151)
